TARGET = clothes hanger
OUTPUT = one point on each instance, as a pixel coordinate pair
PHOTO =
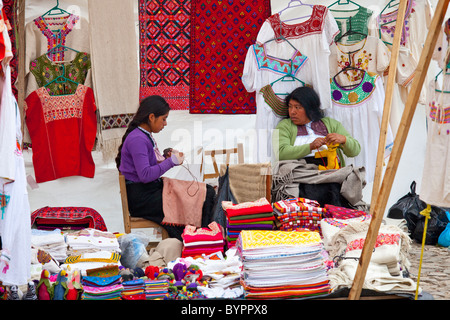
(391, 4)
(61, 79)
(288, 77)
(300, 4)
(60, 46)
(55, 8)
(281, 37)
(343, 3)
(347, 68)
(350, 32)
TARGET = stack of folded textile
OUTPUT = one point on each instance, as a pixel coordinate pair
(133, 290)
(199, 241)
(282, 264)
(102, 288)
(51, 242)
(254, 215)
(296, 214)
(91, 240)
(156, 289)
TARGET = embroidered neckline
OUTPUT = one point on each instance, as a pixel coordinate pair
(313, 25)
(278, 106)
(358, 22)
(278, 65)
(56, 37)
(355, 95)
(385, 19)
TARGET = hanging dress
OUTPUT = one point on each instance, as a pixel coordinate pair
(435, 186)
(261, 69)
(417, 21)
(360, 111)
(62, 131)
(44, 33)
(313, 38)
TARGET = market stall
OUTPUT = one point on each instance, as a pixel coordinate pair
(72, 80)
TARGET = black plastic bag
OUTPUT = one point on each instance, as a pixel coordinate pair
(408, 207)
(436, 225)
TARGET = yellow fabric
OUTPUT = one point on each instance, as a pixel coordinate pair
(252, 239)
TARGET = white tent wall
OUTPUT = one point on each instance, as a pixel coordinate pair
(186, 132)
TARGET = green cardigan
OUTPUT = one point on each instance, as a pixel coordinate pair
(287, 133)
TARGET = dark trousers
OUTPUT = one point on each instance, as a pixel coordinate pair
(145, 201)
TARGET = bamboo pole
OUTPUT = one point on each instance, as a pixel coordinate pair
(390, 85)
(399, 143)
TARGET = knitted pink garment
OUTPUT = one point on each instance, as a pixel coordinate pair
(212, 233)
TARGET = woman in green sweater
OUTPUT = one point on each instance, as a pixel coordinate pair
(307, 130)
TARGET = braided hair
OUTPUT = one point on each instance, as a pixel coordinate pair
(152, 104)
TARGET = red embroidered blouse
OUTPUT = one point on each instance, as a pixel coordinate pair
(62, 131)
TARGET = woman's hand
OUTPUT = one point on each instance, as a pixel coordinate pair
(335, 138)
(177, 157)
(316, 144)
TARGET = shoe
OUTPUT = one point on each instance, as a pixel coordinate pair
(31, 292)
(13, 293)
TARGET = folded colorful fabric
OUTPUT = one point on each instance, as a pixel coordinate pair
(156, 289)
(280, 264)
(245, 208)
(212, 233)
(295, 205)
(341, 212)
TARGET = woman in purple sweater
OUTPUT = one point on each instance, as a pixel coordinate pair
(142, 165)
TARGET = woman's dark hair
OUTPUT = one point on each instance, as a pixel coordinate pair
(151, 104)
(309, 100)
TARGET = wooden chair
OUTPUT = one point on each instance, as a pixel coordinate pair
(239, 150)
(130, 222)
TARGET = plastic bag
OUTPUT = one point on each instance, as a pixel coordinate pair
(435, 226)
(444, 237)
(134, 249)
(408, 207)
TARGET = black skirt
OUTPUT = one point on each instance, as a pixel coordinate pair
(145, 200)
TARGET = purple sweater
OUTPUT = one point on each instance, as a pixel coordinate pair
(138, 160)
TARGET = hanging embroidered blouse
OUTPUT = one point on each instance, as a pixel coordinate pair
(435, 186)
(358, 23)
(417, 20)
(45, 71)
(313, 38)
(62, 131)
(360, 111)
(261, 69)
(44, 33)
(369, 54)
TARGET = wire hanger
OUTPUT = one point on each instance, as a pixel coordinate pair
(350, 32)
(300, 4)
(55, 8)
(288, 77)
(60, 46)
(343, 3)
(61, 79)
(391, 4)
(347, 68)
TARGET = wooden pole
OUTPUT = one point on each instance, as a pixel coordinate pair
(399, 143)
(390, 85)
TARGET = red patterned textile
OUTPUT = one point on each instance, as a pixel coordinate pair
(221, 33)
(164, 42)
(62, 131)
(68, 216)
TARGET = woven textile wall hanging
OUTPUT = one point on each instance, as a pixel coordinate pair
(221, 33)
(164, 40)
